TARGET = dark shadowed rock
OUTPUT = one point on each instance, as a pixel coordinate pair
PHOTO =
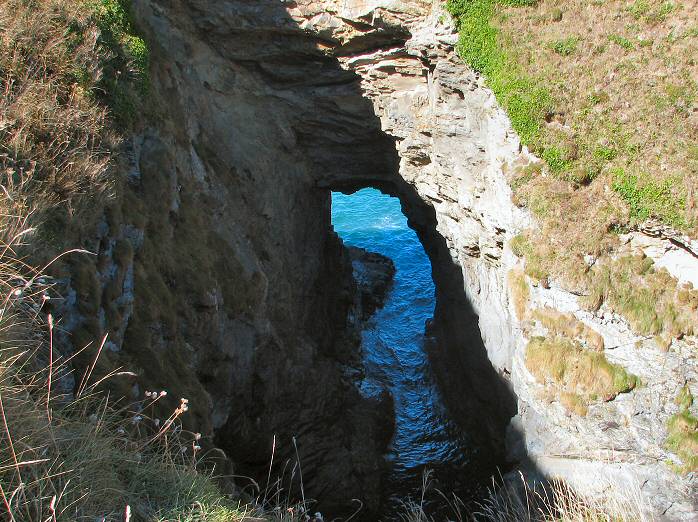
(373, 274)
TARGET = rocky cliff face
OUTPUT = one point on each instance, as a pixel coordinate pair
(456, 147)
(219, 278)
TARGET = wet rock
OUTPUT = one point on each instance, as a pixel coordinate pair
(373, 274)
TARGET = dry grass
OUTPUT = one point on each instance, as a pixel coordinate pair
(520, 293)
(567, 325)
(68, 70)
(518, 500)
(569, 368)
(574, 403)
(650, 299)
(555, 501)
(53, 136)
(606, 93)
(571, 364)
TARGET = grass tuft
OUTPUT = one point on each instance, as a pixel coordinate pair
(520, 293)
(651, 300)
(519, 500)
(571, 369)
(567, 325)
(683, 432)
(565, 46)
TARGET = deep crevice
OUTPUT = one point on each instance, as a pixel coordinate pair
(298, 125)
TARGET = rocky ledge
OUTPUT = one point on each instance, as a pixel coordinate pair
(373, 275)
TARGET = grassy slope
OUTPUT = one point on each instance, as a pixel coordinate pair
(606, 94)
(73, 74)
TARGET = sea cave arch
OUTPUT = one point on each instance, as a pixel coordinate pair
(264, 121)
(479, 398)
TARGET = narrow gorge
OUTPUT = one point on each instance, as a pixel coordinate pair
(221, 278)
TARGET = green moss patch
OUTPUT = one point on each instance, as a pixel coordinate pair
(683, 439)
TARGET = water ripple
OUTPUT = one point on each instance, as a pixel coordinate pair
(394, 343)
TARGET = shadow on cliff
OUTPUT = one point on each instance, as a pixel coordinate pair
(317, 114)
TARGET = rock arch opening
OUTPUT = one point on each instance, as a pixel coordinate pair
(390, 264)
(264, 122)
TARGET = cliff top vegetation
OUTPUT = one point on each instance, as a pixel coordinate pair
(605, 93)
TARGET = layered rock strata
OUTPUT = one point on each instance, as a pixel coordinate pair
(455, 146)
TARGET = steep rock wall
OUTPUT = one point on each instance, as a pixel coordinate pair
(456, 146)
(260, 110)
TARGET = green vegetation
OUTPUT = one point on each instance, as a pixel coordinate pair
(569, 361)
(125, 58)
(555, 158)
(683, 432)
(622, 42)
(614, 128)
(639, 9)
(526, 102)
(649, 198)
(565, 46)
(521, 246)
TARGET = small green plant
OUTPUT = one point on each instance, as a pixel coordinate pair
(605, 153)
(664, 10)
(648, 197)
(566, 46)
(622, 42)
(520, 245)
(639, 8)
(598, 97)
(555, 158)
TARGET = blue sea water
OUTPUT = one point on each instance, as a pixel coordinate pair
(394, 344)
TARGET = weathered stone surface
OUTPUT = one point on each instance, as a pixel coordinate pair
(455, 146)
(373, 274)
